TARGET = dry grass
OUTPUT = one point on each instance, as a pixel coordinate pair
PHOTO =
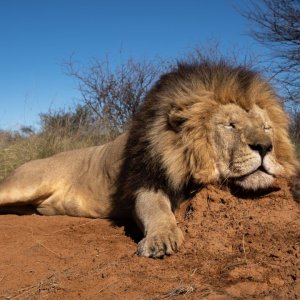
(179, 291)
(47, 284)
(16, 150)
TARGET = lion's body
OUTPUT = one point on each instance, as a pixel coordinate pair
(199, 124)
(75, 183)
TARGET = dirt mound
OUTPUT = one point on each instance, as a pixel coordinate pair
(234, 249)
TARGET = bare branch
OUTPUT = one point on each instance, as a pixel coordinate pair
(278, 28)
(113, 95)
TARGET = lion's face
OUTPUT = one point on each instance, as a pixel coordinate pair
(220, 124)
(243, 144)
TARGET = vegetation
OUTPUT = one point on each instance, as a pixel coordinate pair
(276, 25)
(60, 131)
(110, 98)
(295, 130)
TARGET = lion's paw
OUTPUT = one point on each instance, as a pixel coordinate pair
(160, 243)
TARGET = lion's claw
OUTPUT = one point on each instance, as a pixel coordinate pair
(157, 245)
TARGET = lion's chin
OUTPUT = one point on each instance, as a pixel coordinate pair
(255, 181)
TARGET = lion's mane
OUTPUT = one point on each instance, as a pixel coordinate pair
(156, 158)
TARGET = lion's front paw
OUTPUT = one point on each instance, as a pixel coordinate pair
(160, 243)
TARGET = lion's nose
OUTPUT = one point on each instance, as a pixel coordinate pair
(262, 149)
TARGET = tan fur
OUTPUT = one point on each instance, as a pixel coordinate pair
(75, 183)
(202, 124)
(198, 104)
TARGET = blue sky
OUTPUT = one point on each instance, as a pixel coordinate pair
(37, 36)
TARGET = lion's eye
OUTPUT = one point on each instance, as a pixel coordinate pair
(231, 125)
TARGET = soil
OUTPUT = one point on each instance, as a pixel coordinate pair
(234, 248)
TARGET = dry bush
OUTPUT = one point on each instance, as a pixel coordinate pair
(60, 131)
(40, 146)
(110, 97)
(295, 129)
(113, 94)
(277, 26)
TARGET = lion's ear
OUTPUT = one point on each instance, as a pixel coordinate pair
(176, 119)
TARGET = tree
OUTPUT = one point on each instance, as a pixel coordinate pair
(278, 27)
(295, 128)
(67, 122)
(113, 95)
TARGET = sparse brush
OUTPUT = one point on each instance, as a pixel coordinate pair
(17, 148)
(179, 291)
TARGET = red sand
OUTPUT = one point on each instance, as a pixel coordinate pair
(234, 249)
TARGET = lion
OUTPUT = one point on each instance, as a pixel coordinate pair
(201, 123)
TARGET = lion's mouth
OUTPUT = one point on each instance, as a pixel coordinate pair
(261, 168)
(260, 178)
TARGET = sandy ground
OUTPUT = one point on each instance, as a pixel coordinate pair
(234, 249)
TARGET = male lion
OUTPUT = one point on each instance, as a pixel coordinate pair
(201, 123)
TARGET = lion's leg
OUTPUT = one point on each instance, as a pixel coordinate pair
(66, 204)
(48, 208)
(25, 186)
(15, 198)
(154, 215)
(17, 191)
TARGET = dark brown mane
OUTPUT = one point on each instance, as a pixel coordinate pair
(207, 84)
